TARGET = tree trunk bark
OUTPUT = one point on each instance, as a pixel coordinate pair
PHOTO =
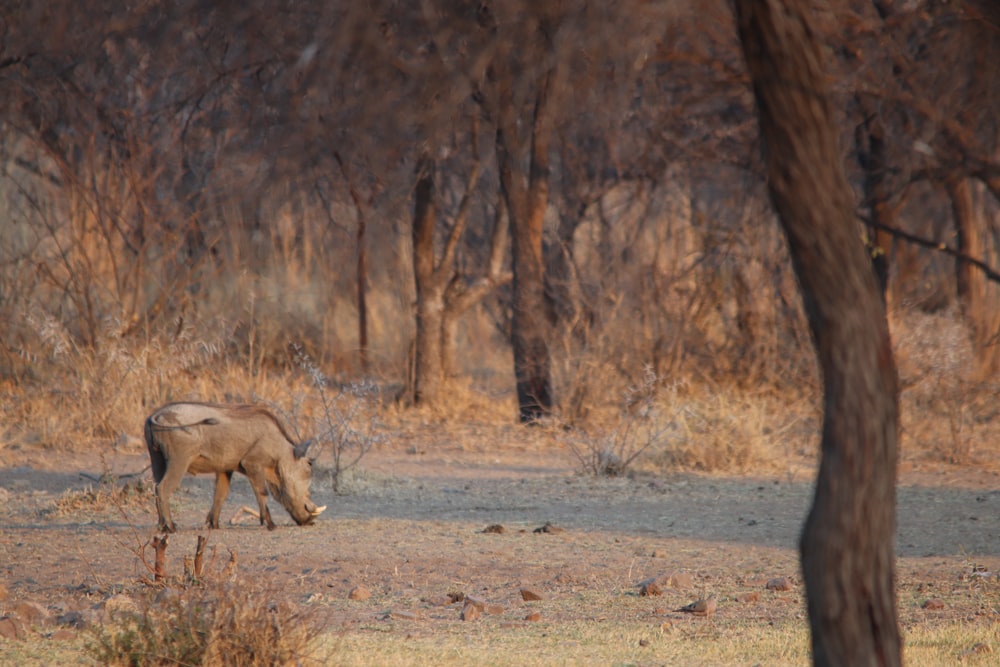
(847, 545)
(429, 374)
(980, 312)
(526, 205)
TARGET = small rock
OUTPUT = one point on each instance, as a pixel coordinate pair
(401, 615)
(779, 584)
(475, 602)
(456, 596)
(534, 616)
(643, 642)
(470, 612)
(63, 635)
(933, 603)
(4, 594)
(752, 596)
(495, 609)
(494, 528)
(11, 628)
(31, 613)
(359, 593)
(678, 579)
(530, 595)
(550, 528)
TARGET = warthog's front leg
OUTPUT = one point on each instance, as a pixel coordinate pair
(257, 482)
(222, 481)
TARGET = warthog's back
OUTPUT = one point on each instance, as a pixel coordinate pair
(219, 437)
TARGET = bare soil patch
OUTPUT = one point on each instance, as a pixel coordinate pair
(412, 531)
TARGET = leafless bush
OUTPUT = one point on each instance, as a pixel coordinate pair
(610, 451)
(232, 623)
(348, 421)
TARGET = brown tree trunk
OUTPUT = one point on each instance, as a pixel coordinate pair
(847, 546)
(980, 312)
(361, 267)
(462, 295)
(526, 206)
(429, 375)
(443, 293)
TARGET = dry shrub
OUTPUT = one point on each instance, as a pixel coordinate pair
(717, 429)
(108, 494)
(944, 413)
(609, 451)
(236, 623)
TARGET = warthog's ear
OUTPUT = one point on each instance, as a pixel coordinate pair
(303, 450)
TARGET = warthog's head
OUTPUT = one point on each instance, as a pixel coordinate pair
(292, 487)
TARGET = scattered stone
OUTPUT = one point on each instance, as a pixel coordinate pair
(63, 635)
(401, 615)
(933, 603)
(550, 528)
(530, 595)
(704, 607)
(678, 580)
(643, 642)
(494, 528)
(31, 613)
(534, 616)
(11, 628)
(495, 609)
(752, 596)
(779, 584)
(475, 602)
(470, 612)
(456, 596)
(359, 593)
(3, 586)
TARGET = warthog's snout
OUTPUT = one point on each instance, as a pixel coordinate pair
(311, 513)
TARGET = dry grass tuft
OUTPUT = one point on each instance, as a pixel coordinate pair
(219, 624)
(732, 431)
(107, 495)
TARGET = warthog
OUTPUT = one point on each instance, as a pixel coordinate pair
(209, 438)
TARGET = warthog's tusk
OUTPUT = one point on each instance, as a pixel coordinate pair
(318, 510)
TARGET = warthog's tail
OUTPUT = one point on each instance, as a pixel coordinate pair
(156, 458)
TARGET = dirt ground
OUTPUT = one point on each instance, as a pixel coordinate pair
(410, 530)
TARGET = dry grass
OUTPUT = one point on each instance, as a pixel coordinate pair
(218, 624)
(647, 642)
(106, 495)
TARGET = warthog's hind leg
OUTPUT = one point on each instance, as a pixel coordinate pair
(164, 489)
(222, 481)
